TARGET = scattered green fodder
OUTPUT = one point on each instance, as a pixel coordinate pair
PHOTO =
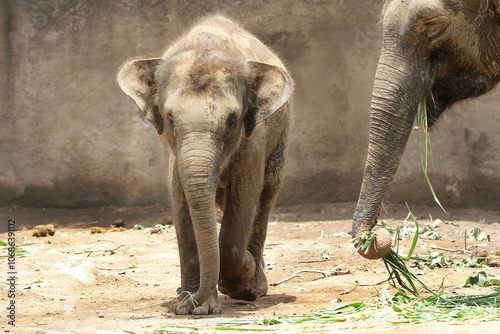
(481, 280)
(454, 309)
(6, 250)
(404, 308)
(399, 308)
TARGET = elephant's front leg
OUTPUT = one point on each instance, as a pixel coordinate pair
(188, 253)
(238, 265)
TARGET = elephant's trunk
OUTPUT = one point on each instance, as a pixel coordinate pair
(400, 84)
(198, 159)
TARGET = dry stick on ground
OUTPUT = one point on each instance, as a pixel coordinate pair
(334, 273)
(103, 268)
(465, 239)
(321, 236)
(100, 240)
(324, 273)
(59, 242)
(357, 284)
(311, 261)
(372, 284)
(349, 291)
(165, 303)
(451, 250)
(100, 250)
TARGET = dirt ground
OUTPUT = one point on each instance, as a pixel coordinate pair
(88, 286)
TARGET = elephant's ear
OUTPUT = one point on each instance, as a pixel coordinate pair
(137, 79)
(270, 88)
(431, 26)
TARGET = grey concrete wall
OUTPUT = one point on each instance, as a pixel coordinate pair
(70, 137)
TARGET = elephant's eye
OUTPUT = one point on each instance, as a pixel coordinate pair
(170, 122)
(231, 121)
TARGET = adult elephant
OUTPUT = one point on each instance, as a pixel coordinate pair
(441, 50)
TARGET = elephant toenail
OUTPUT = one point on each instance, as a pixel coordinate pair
(200, 311)
(181, 310)
(216, 310)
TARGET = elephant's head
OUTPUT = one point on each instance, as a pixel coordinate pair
(203, 106)
(441, 50)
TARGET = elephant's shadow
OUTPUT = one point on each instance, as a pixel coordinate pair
(230, 305)
(240, 308)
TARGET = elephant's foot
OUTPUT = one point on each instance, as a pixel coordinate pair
(258, 287)
(236, 276)
(245, 287)
(186, 305)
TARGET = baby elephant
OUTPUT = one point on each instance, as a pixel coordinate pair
(221, 102)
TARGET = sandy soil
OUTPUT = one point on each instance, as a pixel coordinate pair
(87, 287)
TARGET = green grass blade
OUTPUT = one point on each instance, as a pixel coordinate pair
(423, 123)
(415, 237)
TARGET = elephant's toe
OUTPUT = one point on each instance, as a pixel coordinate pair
(216, 310)
(214, 305)
(186, 305)
(200, 310)
(181, 310)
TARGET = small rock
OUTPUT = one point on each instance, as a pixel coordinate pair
(101, 315)
(156, 230)
(44, 230)
(116, 228)
(120, 222)
(97, 229)
(481, 253)
(493, 262)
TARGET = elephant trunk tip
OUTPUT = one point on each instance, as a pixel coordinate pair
(381, 244)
